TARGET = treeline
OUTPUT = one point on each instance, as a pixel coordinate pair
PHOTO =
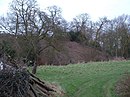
(112, 36)
(32, 30)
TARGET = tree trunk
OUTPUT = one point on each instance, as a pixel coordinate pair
(36, 63)
(34, 70)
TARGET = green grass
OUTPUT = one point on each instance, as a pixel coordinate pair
(95, 79)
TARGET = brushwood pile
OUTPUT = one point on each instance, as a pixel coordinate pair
(19, 82)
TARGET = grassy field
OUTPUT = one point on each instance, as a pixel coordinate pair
(86, 80)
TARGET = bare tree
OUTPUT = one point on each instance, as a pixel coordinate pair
(26, 20)
(99, 27)
(80, 23)
(57, 23)
(116, 37)
(81, 26)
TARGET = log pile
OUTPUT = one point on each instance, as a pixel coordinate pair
(19, 82)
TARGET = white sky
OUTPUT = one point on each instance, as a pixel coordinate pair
(71, 8)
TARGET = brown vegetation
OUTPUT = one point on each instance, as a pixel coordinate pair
(62, 52)
(72, 52)
(123, 86)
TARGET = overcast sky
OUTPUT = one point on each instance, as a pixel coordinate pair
(71, 8)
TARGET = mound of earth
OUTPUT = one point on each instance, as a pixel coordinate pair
(71, 52)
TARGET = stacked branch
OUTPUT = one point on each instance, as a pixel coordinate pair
(18, 82)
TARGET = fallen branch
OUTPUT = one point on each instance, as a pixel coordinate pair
(19, 82)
